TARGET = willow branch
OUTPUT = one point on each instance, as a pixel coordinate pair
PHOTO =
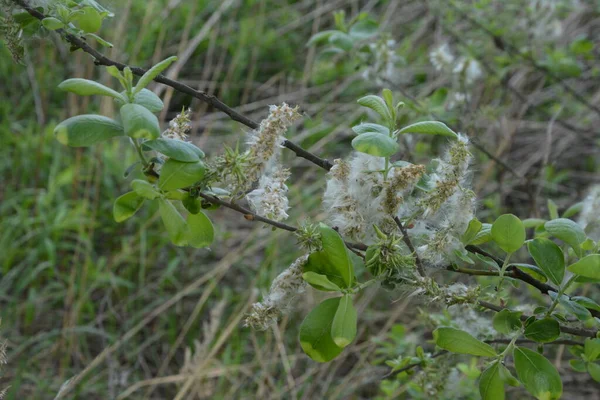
(101, 59)
(564, 329)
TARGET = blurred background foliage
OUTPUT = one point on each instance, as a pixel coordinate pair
(74, 282)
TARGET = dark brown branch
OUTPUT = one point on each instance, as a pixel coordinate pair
(101, 59)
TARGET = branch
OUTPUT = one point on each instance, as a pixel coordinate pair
(101, 59)
(406, 239)
(564, 329)
(252, 216)
(512, 272)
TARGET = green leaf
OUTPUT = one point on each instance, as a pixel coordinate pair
(594, 371)
(90, 20)
(52, 23)
(429, 128)
(582, 313)
(588, 266)
(533, 222)
(126, 206)
(153, 73)
(586, 302)
(201, 232)
(315, 332)
(147, 99)
(573, 210)
(144, 189)
(174, 222)
(375, 144)
(343, 328)
(100, 40)
(549, 257)
(342, 41)
(457, 341)
(139, 122)
(483, 236)
(192, 204)
(320, 282)
(320, 37)
(86, 87)
(370, 127)
(377, 104)
(552, 209)
(508, 232)
(472, 230)
(538, 374)
(491, 385)
(543, 331)
(86, 130)
(507, 377)
(176, 149)
(176, 174)
(364, 29)
(532, 270)
(591, 349)
(388, 97)
(568, 231)
(507, 321)
(578, 365)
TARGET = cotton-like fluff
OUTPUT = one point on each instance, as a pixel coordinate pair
(342, 209)
(179, 126)
(357, 196)
(270, 198)
(382, 65)
(264, 143)
(589, 218)
(469, 69)
(283, 290)
(447, 209)
(441, 58)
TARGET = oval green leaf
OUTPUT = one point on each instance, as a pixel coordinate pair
(549, 257)
(507, 321)
(153, 73)
(543, 331)
(538, 375)
(144, 189)
(461, 342)
(491, 385)
(568, 231)
(375, 144)
(588, 266)
(377, 104)
(343, 328)
(173, 221)
(320, 282)
(315, 332)
(429, 128)
(126, 206)
(335, 249)
(139, 122)
(176, 174)
(508, 232)
(370, 127)
(201, 232)
(176, 149)
(86, 130)
(86, 87)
